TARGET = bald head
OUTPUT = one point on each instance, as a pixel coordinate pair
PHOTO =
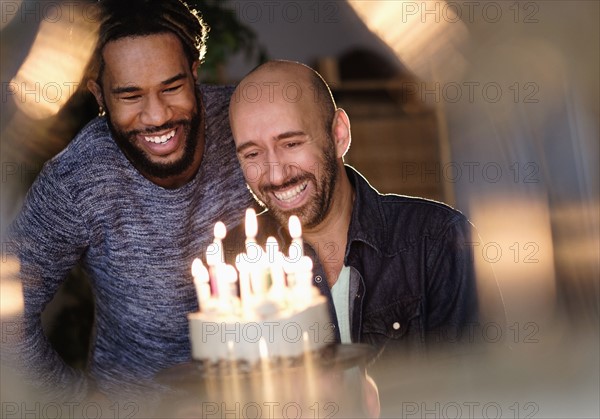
(286, 82)
(290, 140)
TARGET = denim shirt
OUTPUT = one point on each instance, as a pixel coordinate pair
(412, 280)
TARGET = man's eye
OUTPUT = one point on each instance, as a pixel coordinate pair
(173, 89)
(251, 155)
(130, 98)
(291, 144)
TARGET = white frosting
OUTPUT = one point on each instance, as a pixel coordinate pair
(287, 332)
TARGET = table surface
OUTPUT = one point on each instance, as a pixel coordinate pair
(559, 376)
(328, 385)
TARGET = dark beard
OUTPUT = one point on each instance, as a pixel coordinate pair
(315, 211)
(125, 140)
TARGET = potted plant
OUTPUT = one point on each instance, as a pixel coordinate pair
(227, 36)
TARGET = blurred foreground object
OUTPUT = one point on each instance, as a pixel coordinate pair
(515, 88)
(54, 67)
(11, 292)
(333, 383)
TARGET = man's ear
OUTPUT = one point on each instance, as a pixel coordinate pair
(97, 92)
(195, 70)
(340, 131)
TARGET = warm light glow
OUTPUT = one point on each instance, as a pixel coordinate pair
(54, 68)
(424, 35)
(201, 282)
(251, 224)
(309, 368)
(263, 350)
(258, 275)
(243, 268)
(214, 252)
(275, 264)
(305, 264)
(199, 271)
(220, 230)
(272, 248)
(295, 227)
(296, 234)
(516, 243)
(212, 255)
(253, 271)
(11, 292)
(226, 275)
(229, 273)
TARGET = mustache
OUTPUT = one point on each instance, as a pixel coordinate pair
(152, 130)
(288, 183)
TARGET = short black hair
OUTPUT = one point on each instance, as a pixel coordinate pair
(126, 18)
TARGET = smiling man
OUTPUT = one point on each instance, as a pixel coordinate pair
(398, 270)
(153, 110)
(134, 198)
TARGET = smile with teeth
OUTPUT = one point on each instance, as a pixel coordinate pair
(292, 193)
(160, 139)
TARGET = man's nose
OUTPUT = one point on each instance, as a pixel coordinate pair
(156, 111)
(278, 170)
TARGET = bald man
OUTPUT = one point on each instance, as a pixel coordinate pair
(397, 270)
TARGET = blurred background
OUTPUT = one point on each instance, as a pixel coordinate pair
(489, 106)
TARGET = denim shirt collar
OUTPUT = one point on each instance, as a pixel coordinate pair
(367, 222)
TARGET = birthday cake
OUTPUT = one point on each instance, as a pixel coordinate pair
(265, 307)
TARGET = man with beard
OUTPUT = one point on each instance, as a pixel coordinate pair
(397, 271)
(134, 197)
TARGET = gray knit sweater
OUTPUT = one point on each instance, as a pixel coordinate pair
(137, 242)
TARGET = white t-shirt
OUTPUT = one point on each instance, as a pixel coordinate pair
(340, 293)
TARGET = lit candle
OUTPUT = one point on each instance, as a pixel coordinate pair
(258, 269)
(289, 268)
(214, 256)
(304, 271)
(201, 278)
(244, 277)
(254, 257)
(303, 275)
(276, 267)
(220, 233)
(251, 227)
(226, 276)
(296, 234)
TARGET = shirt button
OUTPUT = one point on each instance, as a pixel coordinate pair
(396, 325)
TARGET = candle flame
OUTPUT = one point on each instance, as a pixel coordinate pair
(220, 230)
(251, 223)
(199, 271)
(295, 227)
